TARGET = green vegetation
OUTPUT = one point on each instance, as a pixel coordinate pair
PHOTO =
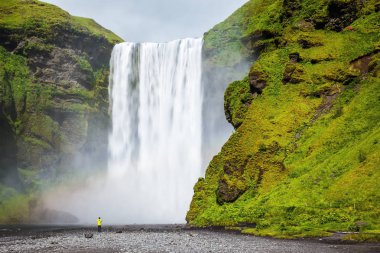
(53, 88)
(305, 157)
(226, 41)
(43, 19)
(14, 81)
(14, 210)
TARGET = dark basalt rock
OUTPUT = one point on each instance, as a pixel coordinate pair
(293, 73)
(289, 7)
(232, 185)
(259, 40)
(228, 193)
(88, 235)
(257, 81)
(294, 57)
(339, 15)
(366, 63)
(305, 43)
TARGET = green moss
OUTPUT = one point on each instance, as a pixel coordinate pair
(37, 47)
(306, 151)
(225, 41)
(238, 99)
(14, 208)
(31, 179)
(36, 142)
(363, 237)
(14, 77)
(96, 29)
(41, 18)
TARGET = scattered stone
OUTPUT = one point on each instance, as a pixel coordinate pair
(88, 235)
(169, 239)
(294, 57)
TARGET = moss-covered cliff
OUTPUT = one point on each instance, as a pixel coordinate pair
(53, 100)
(305, 156)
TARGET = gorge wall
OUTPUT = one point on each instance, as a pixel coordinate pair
(53, 102)
(304, 158)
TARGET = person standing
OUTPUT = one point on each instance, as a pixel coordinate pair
(99, 224)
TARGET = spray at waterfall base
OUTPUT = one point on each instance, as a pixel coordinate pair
(155, 140)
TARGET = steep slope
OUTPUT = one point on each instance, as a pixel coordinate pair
(53, 100)
(305, 156)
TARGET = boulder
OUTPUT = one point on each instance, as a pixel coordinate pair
(293, 73)
(88, 235)
(257, 81)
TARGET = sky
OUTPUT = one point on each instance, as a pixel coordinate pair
(153, 20)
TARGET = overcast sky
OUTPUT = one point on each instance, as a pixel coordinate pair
(153, 20)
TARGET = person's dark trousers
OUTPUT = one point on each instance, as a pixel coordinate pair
(99, 228)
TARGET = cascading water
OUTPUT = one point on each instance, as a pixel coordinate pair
(155, 142)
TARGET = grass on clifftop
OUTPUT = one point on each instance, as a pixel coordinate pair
(38, 17)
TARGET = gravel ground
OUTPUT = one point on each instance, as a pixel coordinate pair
(159, 239)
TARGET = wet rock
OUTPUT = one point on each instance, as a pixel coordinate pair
(257, 81)
(88, 235)
(229, 190)
(340, 14)
(344, 76)
(366, 63)
(289, 7)
(119, 231)
(260, 40)
(305, 26)
(293, 73)
(294, 57)
(306, 43)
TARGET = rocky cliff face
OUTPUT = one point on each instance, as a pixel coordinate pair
(53, 99)
(304, 157)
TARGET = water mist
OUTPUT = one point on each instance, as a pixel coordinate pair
(155, 141)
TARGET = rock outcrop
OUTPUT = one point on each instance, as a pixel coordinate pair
(304, 157)
(53, 97)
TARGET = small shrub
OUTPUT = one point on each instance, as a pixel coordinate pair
(362, 156)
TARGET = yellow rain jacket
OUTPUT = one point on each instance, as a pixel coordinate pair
(99, 222)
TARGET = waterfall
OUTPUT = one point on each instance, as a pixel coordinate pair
(155, 142)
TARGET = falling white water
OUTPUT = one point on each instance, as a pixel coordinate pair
(155, 142)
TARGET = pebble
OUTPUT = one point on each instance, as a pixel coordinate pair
(73, 241)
